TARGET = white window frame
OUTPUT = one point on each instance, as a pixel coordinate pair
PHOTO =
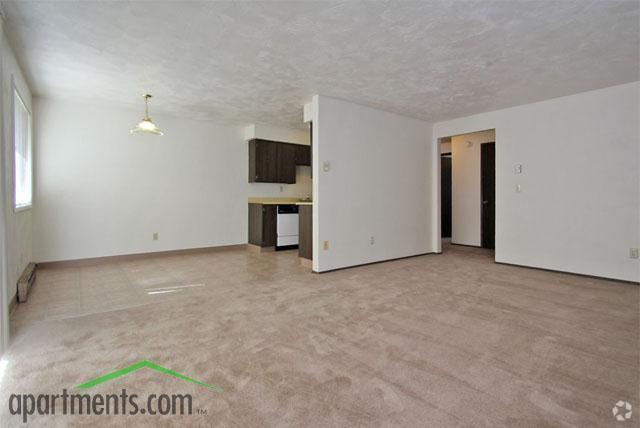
(17, 98)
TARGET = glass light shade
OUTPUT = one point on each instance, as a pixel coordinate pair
(146, 126)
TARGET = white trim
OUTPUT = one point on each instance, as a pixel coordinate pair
(23, 207)
(16, 94)
(4, 305)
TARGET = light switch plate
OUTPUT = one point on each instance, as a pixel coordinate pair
(634, 253)
(517, 169)
(326, 166)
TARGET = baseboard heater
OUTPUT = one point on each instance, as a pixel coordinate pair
(25, 282)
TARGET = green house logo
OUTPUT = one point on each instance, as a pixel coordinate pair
(140, 365)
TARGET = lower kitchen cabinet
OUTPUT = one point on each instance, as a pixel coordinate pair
(263, 225)
(305, 233)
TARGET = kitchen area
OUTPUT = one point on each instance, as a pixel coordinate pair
(281, 223)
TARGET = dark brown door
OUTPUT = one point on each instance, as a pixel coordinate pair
(488, 174)
(445, 195)
(311, 147)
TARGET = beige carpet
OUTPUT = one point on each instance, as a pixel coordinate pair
(438, 340)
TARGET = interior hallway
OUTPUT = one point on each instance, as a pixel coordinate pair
(439, 339)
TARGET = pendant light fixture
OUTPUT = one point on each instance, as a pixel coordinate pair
(146, 125)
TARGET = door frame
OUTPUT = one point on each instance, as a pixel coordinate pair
(436, 187)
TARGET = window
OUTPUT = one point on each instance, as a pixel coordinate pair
(22, 147)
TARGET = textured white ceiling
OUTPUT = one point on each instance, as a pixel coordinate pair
(257, 62)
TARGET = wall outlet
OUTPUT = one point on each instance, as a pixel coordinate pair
(634, 253)
(155, 236)
(326, 166)
(325, 245)
(372, 240)
(281, 189)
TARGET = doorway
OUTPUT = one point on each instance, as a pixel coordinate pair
(467, 189)
(445, 194)
(488, 186)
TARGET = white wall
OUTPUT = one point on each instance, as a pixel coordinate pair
(378, 184)
(101, 191)
(286, 135)
(18, 225)
(579, 209)
(466, 194)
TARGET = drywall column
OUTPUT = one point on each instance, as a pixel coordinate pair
(373, 185)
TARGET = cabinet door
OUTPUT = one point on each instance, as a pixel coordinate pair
(255, 224)
(253, 159)
(259, 162)
(303, 155)
(286, 163)
(270, 162)
(269, 225)
(305, 232)
(263, 157)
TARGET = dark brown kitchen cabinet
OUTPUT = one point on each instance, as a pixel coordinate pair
(262, 225)
(266, 164)
(286, 163)
(303, 155)
(305, 226)
(275, 162)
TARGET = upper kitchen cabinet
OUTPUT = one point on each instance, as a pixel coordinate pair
(303, 155)
(275, 162)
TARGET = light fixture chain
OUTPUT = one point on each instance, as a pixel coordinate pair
(146, 106)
